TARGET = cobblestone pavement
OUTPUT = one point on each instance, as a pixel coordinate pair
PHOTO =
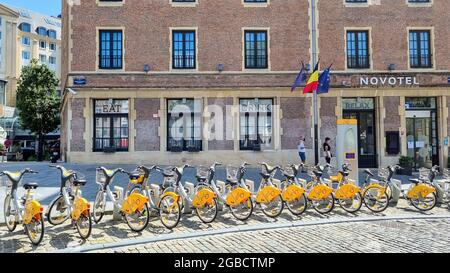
(66, 238)
(412, 236)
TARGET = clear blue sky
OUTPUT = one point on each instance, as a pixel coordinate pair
(49, 7)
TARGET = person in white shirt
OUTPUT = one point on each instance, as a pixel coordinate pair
(302, 149)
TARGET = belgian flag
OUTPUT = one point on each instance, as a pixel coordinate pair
(313, 82)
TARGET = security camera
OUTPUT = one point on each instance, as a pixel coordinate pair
(72, 91)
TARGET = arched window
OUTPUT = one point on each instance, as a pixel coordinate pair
(25, 27)
(41, 31)
(51, 33)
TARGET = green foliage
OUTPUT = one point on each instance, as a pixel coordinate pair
(406, 162)
(38, 101)
(31, 158)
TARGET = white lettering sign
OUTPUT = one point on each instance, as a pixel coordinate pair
(392, 81)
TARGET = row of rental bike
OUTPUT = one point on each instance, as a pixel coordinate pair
(142, 199)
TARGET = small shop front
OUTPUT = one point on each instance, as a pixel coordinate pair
(363, 110)
(422, 131)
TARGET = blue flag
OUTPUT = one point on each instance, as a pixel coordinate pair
(301, 77)
(324, 81)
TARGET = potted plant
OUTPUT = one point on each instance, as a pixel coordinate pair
(406, 163)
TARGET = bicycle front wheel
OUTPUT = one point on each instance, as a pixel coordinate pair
(35, 229)
(273, 209)
(169, 212)
(375, 200)
(58, 212)
(10, 218)
(84, 226)
(99, 207)
(138, 220)
(243, 211)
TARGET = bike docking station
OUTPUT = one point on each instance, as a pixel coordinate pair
(347, 145)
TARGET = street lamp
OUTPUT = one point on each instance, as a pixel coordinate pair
(315, 97)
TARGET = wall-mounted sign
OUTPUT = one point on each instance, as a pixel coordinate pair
(358, 103)
(79, 81)
(388, 81)
(111, 106)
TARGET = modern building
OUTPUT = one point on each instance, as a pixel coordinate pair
(24, 35)
(130, 66)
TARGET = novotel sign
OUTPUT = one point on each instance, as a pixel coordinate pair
(391, 81)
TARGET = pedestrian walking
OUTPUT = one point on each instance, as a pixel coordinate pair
(302, 149)
(327, 150)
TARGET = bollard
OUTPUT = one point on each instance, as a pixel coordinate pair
(155, 192)
(118, 191)
(189, 187)
(221, 188)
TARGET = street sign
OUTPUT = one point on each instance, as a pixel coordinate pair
(79, 81)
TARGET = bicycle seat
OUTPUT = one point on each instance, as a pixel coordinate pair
(270, 169)
(265, 175)
(201, 178)
(414, 180)
(134, 175)
(14, 176)
(290, 176)
(231, 181)
(318, 173)
(168, 173)
(109, 173)
(344, 173)
(367, 171)
(79, 182)
(30, 186)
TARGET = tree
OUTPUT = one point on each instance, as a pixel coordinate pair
(38, 102)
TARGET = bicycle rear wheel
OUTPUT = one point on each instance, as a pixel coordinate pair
(84, 226)
(351, 205)
(138, 220)
(35, 230)
(298, 207)
(425, 204)
(208, 213)
(243, 211)
(10, 219)
(273, 209)
(169, 212)
(324, 206)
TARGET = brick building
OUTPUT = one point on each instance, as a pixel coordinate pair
(134, 64)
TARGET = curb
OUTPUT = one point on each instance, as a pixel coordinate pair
(260, 227)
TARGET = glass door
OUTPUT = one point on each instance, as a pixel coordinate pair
(367, 138)
(422, 139)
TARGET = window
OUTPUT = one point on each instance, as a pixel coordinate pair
(2, 93)
(355, 1)
(358, 49)
(42, 58)
(256, 124)
(255, 1)
(52, 46)
(52, 60)
(111, 52)
(25, 27)
(111, 125)
(184, 119)
(42, 44)
(51, 33)
(25, 55)
(26, 40)
(41, 31)
(184, 1)
(419, 1)
(256, 50)
(420, 49)
(183, 49)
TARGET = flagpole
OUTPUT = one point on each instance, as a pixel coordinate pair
(315, 97)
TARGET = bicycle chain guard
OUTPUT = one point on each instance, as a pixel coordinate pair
(134, 202)
(81, 206)
(420, 191)
(32, 210)
(238, 196)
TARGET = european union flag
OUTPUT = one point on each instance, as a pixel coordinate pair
(301, 77)
(324, 81)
